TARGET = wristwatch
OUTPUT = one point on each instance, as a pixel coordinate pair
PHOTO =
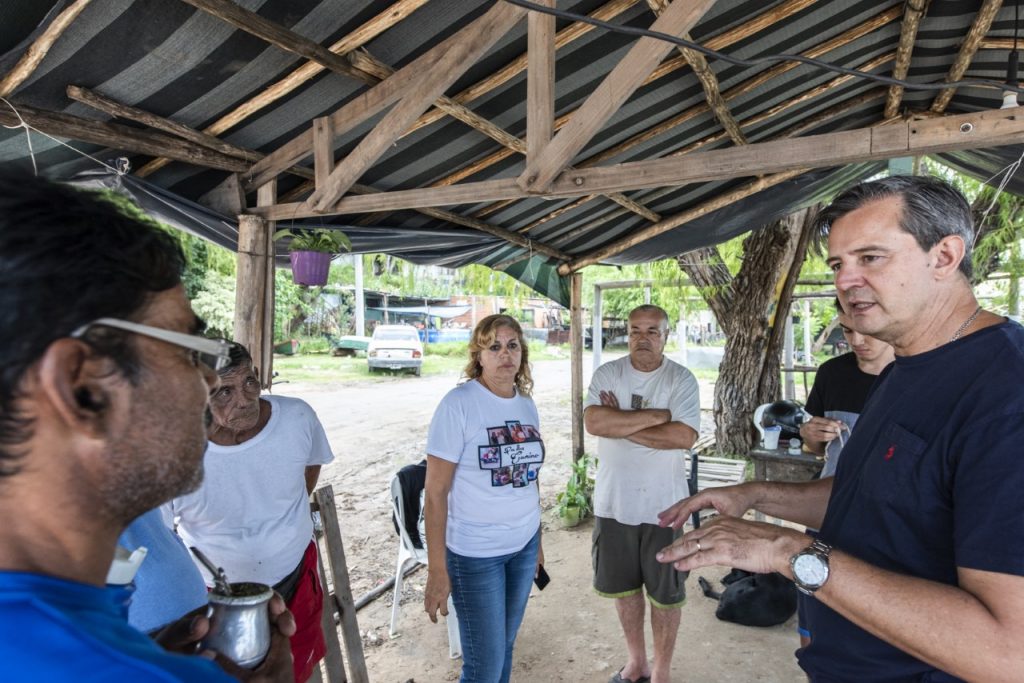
(810, 567)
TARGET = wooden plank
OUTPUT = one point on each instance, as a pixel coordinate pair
(40, 47)
(626, 77)
(118, 136)
(323, 150)
(275, 34)
(980, 26)
(968, 131)
(497, 21)
(576, 354)
(708, 81)
(324, 497)
(304, 73)
(474, 41)
(913, 12)
(334, 660)
(112, 107)
(540, 81)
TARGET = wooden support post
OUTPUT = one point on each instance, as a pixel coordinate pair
(267, 196)
(576, 345)
(324, 497)
(254, 257)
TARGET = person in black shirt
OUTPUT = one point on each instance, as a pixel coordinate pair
(840, 390)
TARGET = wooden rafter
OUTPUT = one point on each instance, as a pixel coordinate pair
(117, 136)
(708, 81)
(979, 129)
(540, 81)
(117, 109)
(25, 66)
(441, 70)
(913, 13)
(365, 33)
(979, 28)
(714, 203)
(390, 90)
(719, 42)
(613, 91)
(516, 66)
(673, 222)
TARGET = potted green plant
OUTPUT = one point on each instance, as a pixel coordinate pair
(311, 251)
(577, 500)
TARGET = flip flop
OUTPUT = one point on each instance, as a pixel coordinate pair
(617, 678)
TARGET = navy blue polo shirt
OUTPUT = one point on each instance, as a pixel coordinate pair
(930, 480)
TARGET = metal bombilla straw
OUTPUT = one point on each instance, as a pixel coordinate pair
(220, 579)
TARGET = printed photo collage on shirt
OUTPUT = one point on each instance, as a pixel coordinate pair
(513, 455)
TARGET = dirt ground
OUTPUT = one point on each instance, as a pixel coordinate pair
(569, 633)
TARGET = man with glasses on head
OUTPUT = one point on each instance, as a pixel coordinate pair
(251, 516)
(103, 395)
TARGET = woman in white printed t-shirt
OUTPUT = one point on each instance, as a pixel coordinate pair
(482, 506)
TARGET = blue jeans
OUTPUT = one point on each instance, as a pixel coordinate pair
(490, 596)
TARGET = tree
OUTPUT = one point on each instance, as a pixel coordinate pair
(743, 305)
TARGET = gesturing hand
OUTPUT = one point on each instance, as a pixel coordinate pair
(731, 501)
(742, 544)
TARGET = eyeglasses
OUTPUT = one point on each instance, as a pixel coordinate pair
(214, 353)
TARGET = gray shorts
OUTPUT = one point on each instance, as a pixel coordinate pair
(624, 562)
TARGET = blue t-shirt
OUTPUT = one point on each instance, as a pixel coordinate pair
(168, 584)
(55, 630)
(929, 481)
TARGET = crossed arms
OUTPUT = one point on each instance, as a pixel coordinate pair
(651, 427)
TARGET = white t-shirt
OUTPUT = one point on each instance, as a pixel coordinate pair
(494, 503)
(251, 514)
(634, 482)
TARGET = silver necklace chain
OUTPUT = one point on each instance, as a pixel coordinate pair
(967, 323)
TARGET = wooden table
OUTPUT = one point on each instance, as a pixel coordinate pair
(778, 465)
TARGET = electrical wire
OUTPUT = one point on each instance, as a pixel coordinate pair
(758, 61)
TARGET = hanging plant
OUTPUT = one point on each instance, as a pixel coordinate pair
(311, 251)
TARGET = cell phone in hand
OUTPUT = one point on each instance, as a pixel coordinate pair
(542, 579)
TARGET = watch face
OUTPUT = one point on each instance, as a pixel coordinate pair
(810, 570)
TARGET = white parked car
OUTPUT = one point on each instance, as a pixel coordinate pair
(395, 347)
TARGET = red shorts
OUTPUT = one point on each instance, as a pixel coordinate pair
(307, 605)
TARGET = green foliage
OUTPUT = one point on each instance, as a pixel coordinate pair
(214, 302)
(315, 239)
(579, 490)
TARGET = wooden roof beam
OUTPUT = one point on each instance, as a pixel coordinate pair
(982, 22)
(912, 15)
(540, 81)
(777, 13)
(454, 50)
(117, 136)
(976, 130)
(443, 68)
(365, 33)
(613, 91)
(708, 81)
(25, 66)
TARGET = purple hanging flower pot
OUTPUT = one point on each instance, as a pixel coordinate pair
(310, 267)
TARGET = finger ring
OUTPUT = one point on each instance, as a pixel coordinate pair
(698, 546)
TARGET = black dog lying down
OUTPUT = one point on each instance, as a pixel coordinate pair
(753, 599)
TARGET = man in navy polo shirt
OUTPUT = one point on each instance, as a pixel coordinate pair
(918, 571)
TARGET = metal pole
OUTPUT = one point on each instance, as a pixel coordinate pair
(360, 297)
(789, 389)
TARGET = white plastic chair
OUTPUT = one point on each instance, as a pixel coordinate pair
(408, 556)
